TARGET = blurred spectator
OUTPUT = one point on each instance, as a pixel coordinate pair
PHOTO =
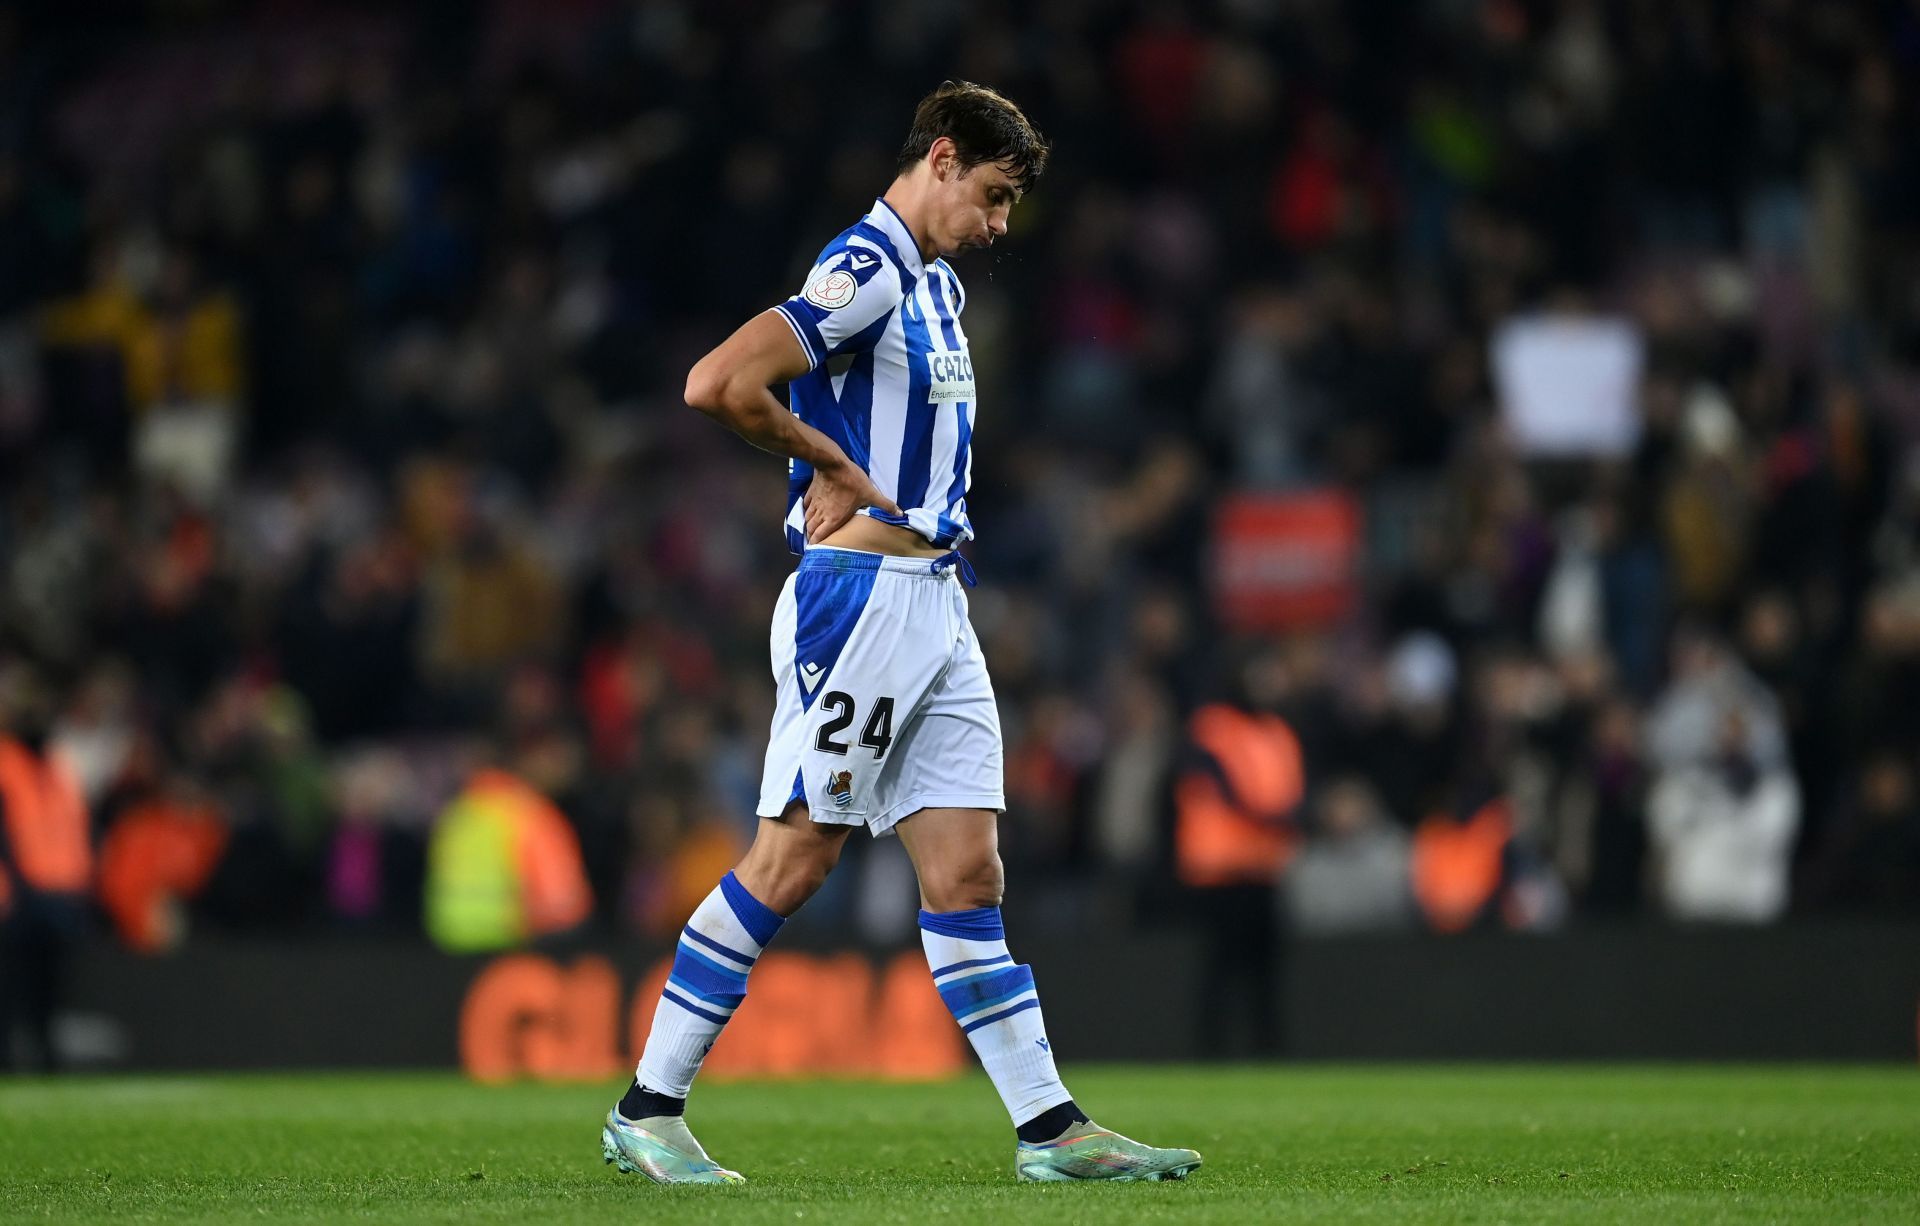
(1607, 791)
(1405, 739)
(376, 863)
(1461, 868)
(1711, 693)
(704, 852)
(1131, 787)
(96, 732)
(503, 869)
(1870, 863)
(46, 871)
(1722, 829)
(1352, 874)
(155, 858)
(1235, 806)
(488, 600)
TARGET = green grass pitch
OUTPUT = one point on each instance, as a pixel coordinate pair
(1282, 1144)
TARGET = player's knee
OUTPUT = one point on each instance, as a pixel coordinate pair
(794, 880)
(964, 884)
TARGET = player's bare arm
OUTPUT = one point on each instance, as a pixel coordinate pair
(732, 385)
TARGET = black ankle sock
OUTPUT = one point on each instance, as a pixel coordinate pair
(1048, 1124)
(640, 1102)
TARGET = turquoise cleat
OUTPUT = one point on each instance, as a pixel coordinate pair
(662, 1149)
(1088, 1151)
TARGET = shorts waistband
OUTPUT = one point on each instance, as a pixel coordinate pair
(832, 557)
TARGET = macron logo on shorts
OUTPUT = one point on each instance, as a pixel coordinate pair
(810, 674)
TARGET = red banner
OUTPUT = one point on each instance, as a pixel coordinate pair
(1285, 561)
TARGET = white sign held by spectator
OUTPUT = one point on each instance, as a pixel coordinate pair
(1568, 384)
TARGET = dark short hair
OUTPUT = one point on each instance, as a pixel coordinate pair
(985, 128)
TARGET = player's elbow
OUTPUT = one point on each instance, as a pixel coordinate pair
(706, 389)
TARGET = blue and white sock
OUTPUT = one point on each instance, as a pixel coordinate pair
(996, 1005)
(717, 948)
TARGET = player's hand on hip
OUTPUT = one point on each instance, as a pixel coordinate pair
(835, 494)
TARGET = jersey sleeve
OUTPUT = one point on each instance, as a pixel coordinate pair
(852, 288)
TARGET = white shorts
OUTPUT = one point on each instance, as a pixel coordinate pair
(884, 707)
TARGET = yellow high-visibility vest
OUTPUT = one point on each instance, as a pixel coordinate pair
(473, 899)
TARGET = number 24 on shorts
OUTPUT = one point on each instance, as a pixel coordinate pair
(876, 735)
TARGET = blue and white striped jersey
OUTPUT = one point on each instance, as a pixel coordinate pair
(891, 381)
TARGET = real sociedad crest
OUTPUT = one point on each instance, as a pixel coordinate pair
(840, 788)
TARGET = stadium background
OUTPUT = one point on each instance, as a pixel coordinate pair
(1518, 400)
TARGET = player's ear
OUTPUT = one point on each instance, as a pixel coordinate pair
(944, 157)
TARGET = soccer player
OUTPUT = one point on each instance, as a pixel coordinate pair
(885, 716)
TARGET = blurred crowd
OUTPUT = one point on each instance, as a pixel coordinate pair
(349, 514)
